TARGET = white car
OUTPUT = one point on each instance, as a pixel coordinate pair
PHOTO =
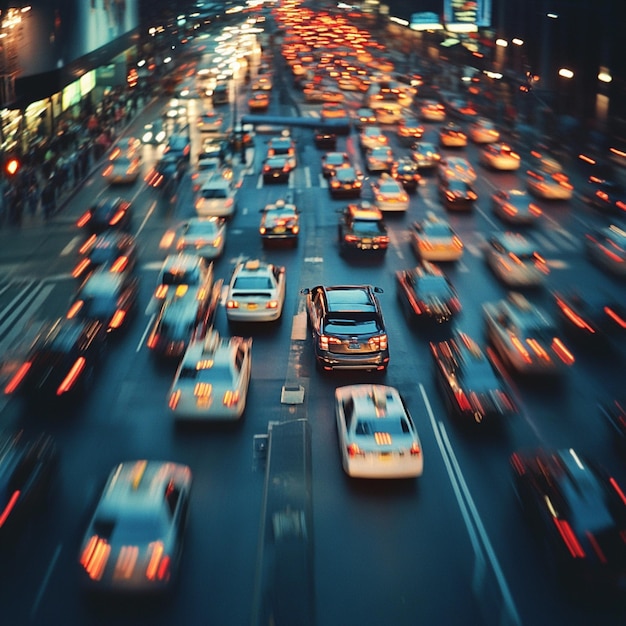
(204, 236)
(500, 156)
(216, 198)
(377, 436)
(546, 179)
(515, 207)
(372, 137)
(607, 247)
(458, 168)
(514, 260)
(525, 338)
(134, 541)
(433, 239)
(431, 111)
(483, 130)
(207, 168)
(122, 170)
(389, 194)
(210, 122)
(256, 292)
(425, 154)
(212, 380)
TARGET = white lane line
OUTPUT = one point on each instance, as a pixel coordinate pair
(298, 327)
(146, 218)
(307, 177)
(145, 332)
(69, 248)
(259, 182)
(476, 530)
(44, 582)
(487, 217)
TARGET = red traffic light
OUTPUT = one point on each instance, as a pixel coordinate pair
(12, 166)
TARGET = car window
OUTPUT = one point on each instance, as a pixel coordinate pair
(252, 282)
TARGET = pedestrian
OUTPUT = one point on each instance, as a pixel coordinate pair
(33, 200)
(48, 199)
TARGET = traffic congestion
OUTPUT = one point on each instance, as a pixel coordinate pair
(316, 342)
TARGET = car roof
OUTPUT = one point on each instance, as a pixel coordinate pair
(350, 298)
(377, 402)
(514, 242)
(364, 212)
(101, 280)
(61, 335)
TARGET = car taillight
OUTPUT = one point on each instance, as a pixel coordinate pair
(95, 556)
(618, 319)
(83, 249)
(72, 376)
(153, 340)
(158, 567)
(262, 230)
(517, 344)
(354, 450)
(174, 399)
(119, 265)
(232, 304)
(295, 230)
(568, 536)
(415, 449)
(351, 238)
(562, 352)
(74, 309)
(118, 319)
(81, 267)
(160, 292)
(230, 398)
(84, 219)
(18, 377)
(116, 218)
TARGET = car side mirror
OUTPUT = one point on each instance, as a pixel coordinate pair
(305, 291)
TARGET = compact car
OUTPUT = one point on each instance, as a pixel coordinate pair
(280, 221)
(514, 260)
(433, 239)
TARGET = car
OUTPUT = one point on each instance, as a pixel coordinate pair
(452, 136)
(320, 94)
(456, 167)
(364, 116)
(457, 194)
(388, 114)
(204, 236)
(474, 391)
(217, 198)
(220, 94)
(283, 146)
(154, 133)
(179, 145)
(362, 228)
(325, 139)
(214, 146)
(182, 268)
(60, 362)
(347, 327)
(210, 122)
(280, 221)
(606, 247)
(525, 337)
(379, 159)
(433, 239)
(256, 292)
(389, 194)
(372, 137)
(331, 161)
(425, 154)
(207, 168)
(376, 433)
(608, 196)
(593, 318)
(426, 294)
(107, 214)
(514, 206)
(500, 156)
(107, 295)
(346, 181)
(514, 260)
(432, 111)
(406, 171)
(461, 109)
(28, 467)
(336, 117)
(408, 130)
(614, 414)
(578, 511)
(113, 249)
(259, 101)
(167, 171)
(262, 83)
(483, 130)
(212, 380)
(134, 540)
(546, 179)
(276, 169)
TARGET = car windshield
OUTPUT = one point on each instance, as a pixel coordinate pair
(391, 425)
(432, 287)
(437, 230)
(219, 374)
(248, 283)
(202, 229)
(213, 193)
(180, 277)
(364, 227)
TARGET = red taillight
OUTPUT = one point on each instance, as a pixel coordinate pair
(87, 244)
(230, 399)
(272, 304)
(84, 219)
(568, 536)
(153, 340)
(81, 267)
(18, 377)
(74, 309)
(415, 449)
(562, 352)
(116, 218)
(9, 507)
(118, 319)
(576, 319)
(615, 317)
(354, 450)
(232, 304)
(120, 264)
(174, 399)
(72, 376)
(161, 292)
(618, 489)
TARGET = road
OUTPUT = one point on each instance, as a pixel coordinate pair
(449, 548)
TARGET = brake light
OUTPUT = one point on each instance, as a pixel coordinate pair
(462, 401)
(231, 398)
(18, 377)
(617, 488)
(87, 244)
(538, 349)
(153, 339)
(108, 170)
(95, 556)
(117, 217)
(568, 536)
(354, 450)
(9, 507)
(72, 375)
(158, 565)
(81, 267)
(574, 317)
(74, 309)
(415, 449)
(160, 292)
(84, 219)
(520, 348)
(118, 319)
(562, 352)
(615, 317)
(232, 304)
(174, 399)
(119, 265)
(272, 304)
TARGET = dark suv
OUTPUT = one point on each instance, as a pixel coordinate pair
(361, 227)
(347, 325)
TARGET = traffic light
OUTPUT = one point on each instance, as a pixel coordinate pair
(12, 166)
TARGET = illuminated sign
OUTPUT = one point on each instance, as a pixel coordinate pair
(425, 21)
(466, 15)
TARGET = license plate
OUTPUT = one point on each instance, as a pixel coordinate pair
(279, 229)
(354, 346)
(252, 305)
(385, 456)
(366, 246)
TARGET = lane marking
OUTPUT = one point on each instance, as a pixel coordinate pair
(44, 582)
(145, 332)
(69, 247)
